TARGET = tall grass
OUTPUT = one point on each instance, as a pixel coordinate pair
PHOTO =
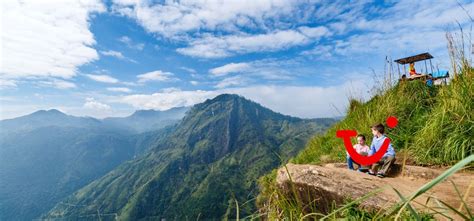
(447, 135)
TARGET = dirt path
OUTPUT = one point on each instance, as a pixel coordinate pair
(333, 182)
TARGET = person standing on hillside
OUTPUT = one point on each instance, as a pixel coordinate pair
(388, 158)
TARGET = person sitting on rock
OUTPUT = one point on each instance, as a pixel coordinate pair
(388, 158)
(361, 148)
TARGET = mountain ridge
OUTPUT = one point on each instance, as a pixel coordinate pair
(216, 152)
(47, 155)
(132, 123)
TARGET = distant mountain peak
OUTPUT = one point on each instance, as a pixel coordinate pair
(144, 112)
(227, 97)
(152, 112)
(233, 101)
(51, 112)
(221, 98)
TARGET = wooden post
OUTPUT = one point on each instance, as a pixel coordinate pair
(431, 65)
(398, 65)
(389, 75)
(426, 68)
(391, 70)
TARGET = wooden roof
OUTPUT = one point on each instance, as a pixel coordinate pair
(415, 58)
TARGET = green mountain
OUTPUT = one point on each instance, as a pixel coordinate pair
(211, 158)
(47, 155)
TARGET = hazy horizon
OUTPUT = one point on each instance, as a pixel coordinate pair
(134, 111)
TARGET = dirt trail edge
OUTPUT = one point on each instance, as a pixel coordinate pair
(333, 183)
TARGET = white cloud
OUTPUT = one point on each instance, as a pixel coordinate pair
(231, 81)
(170, 89)
(268, 70)
(216, 29)
(155, 76)
(128, 83)
(242, 26)
(112, 53)
(174, 18)
(119, 89)
(46, 38)
(63, 84)
(166, 99)
(103, 78)
(229, 68)
(117, 54)
(300, 101)
(315, 32)
(57, 83)
(130, 44)
(216, 47)
(91, 103)
(338, 27)
(190, 70)
(194, 82)
(320, 51)
(6, 83)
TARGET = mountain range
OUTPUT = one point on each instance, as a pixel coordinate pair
(212, 159)
(47, 155)
(185, 163)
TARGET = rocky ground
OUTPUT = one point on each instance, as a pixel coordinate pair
(334, 183)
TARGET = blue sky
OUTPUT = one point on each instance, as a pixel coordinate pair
(302, 58)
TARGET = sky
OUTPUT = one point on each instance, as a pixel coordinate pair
(300, 58)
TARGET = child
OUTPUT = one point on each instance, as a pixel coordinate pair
(361, 148)
(388, 158)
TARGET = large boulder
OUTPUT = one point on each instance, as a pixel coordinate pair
(332, 184)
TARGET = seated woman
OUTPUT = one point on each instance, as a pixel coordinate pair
(361, 148)
(412, 69)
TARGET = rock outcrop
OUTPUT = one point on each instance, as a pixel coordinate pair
(322, 186)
